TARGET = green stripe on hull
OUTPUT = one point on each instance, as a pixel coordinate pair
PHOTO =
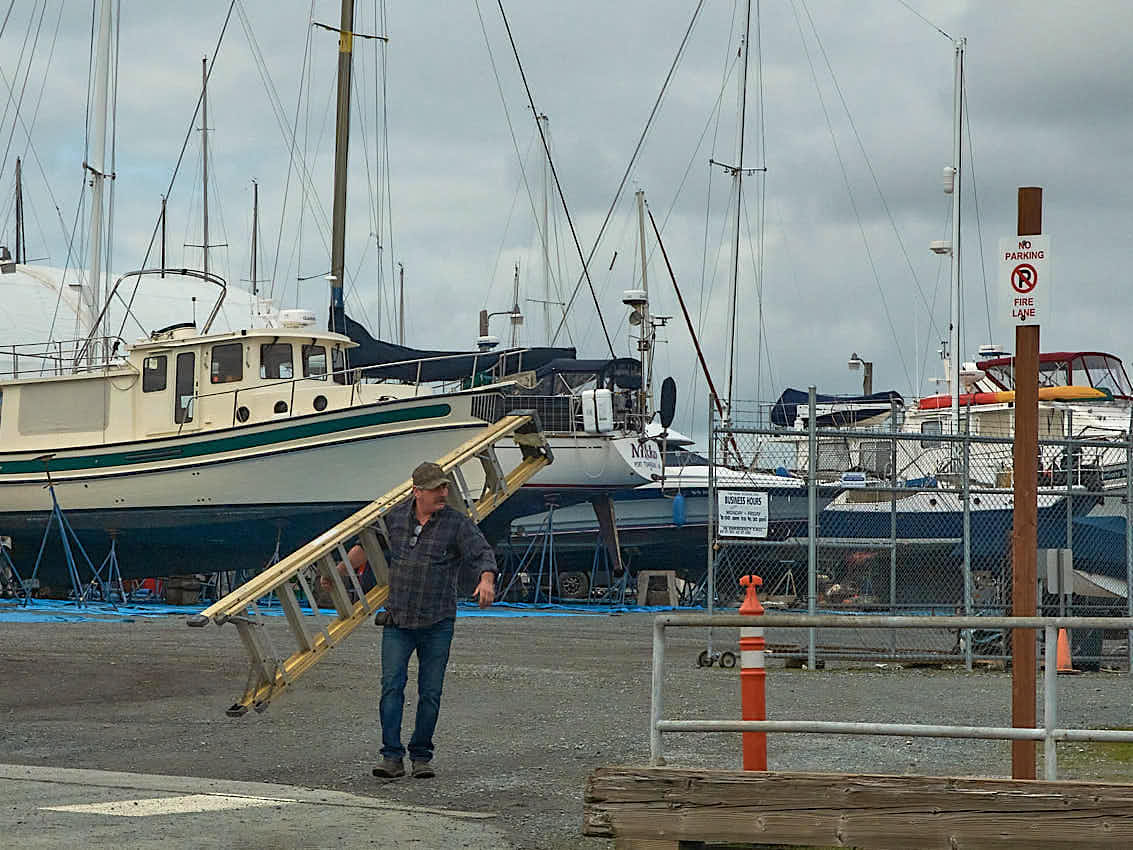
(203, 448)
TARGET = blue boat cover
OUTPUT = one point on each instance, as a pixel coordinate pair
(856, 406)
(373, 355)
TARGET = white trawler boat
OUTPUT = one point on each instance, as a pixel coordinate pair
(202, 449)
(197, 451)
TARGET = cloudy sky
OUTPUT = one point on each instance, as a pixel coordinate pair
(849, 110)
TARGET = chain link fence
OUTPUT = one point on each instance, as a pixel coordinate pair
(913, 514)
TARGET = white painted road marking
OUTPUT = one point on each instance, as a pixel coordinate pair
(185, 804)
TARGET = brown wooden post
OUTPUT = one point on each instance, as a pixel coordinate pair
(1024, 580)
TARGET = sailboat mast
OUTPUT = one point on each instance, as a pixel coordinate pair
(645, 341)
(21, 247)
(341, 158)
(545, 121)
(954, 330)
(739, 175)
(400, 304)
(95, 166)
(515, 308)
(255, 232)
(205, 160)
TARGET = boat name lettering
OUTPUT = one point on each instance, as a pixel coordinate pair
(643, 450)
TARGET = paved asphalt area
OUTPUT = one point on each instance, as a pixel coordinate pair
(113, 732)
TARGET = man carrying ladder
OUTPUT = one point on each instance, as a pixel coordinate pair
(431, 544)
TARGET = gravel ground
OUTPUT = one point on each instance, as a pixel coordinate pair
(531, 705)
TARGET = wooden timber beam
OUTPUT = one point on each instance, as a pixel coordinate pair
(671, 809)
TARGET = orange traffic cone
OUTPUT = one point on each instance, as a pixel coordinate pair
(1065, 664)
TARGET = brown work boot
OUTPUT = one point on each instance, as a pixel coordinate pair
(390, 769)
(423, 770)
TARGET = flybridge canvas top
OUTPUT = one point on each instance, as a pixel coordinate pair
(836, 410)
(1067, 368)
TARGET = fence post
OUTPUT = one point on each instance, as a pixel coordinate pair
(1063, 592)
(893, 522)
(967, 483)
(1050, 678)
(712, 460)
(656, 703)
(812, 522)
(1129, 540)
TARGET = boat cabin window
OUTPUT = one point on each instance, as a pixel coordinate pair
(1054, 373)
(932, 426)
(155, 371)
(186, 375)
(275, 361)
(338, 364)
(227, 363)
(876, 456)
(315, 362)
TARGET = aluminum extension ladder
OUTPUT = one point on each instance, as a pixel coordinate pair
(314, 635)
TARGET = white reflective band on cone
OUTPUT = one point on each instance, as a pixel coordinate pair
(751, 631)
(751, 658)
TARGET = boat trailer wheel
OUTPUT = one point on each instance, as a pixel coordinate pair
(727, 660)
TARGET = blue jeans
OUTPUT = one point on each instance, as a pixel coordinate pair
(432, 646)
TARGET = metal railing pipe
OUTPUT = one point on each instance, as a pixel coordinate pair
(1050, 671)
(656, 703)
(882, 621)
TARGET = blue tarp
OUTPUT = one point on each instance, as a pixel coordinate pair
(52, 610)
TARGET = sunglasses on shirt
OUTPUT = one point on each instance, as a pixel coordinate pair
(416, 534)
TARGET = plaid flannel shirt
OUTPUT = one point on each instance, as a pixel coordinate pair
(424, 575)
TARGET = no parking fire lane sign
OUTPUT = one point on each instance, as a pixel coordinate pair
(1024, 274)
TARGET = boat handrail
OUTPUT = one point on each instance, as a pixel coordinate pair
(54, 358)
(183, 272)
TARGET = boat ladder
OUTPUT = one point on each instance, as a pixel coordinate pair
(315, 634)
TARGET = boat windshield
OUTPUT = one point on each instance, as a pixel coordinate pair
(1052, 373)
(1101, 371)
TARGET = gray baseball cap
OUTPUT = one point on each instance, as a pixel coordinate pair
(428, 476)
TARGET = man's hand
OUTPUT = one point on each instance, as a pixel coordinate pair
(326, 584)
(486, 590)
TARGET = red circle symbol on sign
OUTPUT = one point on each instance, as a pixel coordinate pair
(1024, 278)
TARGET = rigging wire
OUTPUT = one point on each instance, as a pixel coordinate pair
(633, 156)
(558, 186)
(717, 113)
(507, 227)
(926, 20)
(280, 116)
(850, 193)
(522, 160)
(865, 156)
(31, 147)
(180, 157)
(738, 174)
(352, 280)
(29, 127)
(976, 204)
(382, 158)
(303, 73)
(8, 108)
